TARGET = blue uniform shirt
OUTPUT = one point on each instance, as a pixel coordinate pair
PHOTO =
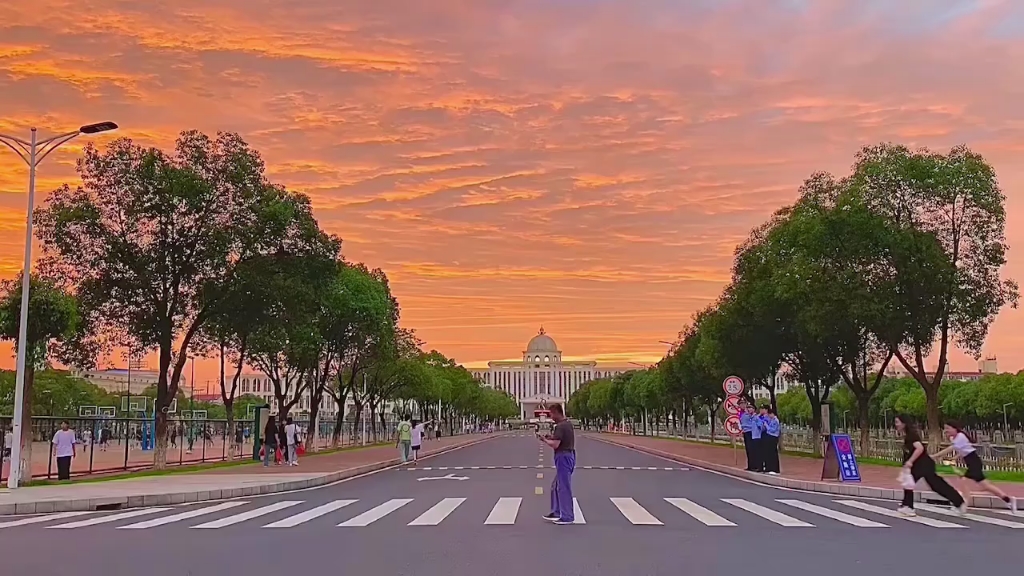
(774, 427)
(757, 427)
(746, 422)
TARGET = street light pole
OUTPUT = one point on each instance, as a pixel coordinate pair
(32, 152)
(1006, 426)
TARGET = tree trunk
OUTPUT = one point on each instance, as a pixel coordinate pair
(26, 425)
(160, 429)
(863, 414)
(339, 424)
(931, 398)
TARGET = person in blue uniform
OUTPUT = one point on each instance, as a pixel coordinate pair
(773, 429)
(747, 425)
(757, 450)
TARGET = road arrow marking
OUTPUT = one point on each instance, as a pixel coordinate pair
(447, 477)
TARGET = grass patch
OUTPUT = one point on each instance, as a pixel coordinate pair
(190, 468)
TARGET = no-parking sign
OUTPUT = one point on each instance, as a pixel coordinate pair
(733, 386)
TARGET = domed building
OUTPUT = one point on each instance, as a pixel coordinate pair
(542, 378)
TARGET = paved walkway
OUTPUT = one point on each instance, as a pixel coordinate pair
(795, 468)
(231, 482)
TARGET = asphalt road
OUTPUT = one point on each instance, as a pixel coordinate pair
(649, 517)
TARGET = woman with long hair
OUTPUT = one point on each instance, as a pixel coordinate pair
(919, 465)
(269, 439)
(964, 447)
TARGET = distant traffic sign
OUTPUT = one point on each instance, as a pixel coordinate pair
(733, 386)
(732, 426)
(732, 405)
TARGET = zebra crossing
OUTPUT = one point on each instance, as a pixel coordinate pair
(507, 511)
(543, 467)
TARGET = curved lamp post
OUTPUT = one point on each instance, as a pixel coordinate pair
(32, 152)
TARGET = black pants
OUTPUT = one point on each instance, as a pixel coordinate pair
(748, 448)
(770, 453)
(63, 467)
(935, 482)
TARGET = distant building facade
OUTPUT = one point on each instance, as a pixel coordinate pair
(542, 377)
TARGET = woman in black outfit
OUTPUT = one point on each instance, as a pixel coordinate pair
(919, 465)
(269, 439)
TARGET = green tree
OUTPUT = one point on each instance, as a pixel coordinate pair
(956, 198)
(55, 328)
(151, 242)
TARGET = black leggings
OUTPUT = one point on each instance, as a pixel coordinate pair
(935, 482)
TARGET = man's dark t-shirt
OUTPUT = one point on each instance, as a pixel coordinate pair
(566, 436)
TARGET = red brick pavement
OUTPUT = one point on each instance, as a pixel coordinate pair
(793, 467)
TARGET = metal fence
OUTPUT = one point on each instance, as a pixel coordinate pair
(107, 444)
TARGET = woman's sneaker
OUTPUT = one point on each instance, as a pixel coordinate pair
(906, 511)
(551, 517)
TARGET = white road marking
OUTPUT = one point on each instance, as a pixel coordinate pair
(437, 512)
(635, 513)
(374, 514)
(698, 512)
(504, 511)
(310, 514)
(44, 518)
(975, 517)
(111, 518)
(249, 514)
(577, 513)
(767, 513)
(894, 514)
(833, 514)
(182, 515)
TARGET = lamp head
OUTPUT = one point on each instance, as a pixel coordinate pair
(98, 127)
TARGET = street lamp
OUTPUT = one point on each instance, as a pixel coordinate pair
(1006, 427)
(32, 152)
(845, 429)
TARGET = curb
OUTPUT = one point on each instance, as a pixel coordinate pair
(122, 503)
(973, 500)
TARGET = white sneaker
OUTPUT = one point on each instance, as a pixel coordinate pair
(906, 511)
(1013, 505)
(961, 509)
(773, 473)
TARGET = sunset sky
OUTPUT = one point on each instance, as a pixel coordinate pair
(585, 165)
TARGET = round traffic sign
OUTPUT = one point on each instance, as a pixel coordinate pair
(733, 386)
(732, 405)
(732, 426)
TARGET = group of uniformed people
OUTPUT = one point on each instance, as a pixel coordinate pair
(761, 438)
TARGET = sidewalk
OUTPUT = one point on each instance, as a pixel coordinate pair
(233, 482)
(798, 473)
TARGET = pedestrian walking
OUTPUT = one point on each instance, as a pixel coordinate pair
(269, 440)
(403, 439)
(292, 437)
(747, 425)
(918, 465)
(563, 441)
(770, 454)
(282, 441)
(418, 431)
(964, 447)
(8, 443)
(64, 448)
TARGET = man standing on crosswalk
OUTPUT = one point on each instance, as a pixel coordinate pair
(563, 441)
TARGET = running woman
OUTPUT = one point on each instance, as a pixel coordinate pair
(965, 449)
(918, 464)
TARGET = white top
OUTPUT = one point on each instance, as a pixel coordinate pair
(417, 434)
(962, 445)
(64, 443)
(289, 432)
(8, 439)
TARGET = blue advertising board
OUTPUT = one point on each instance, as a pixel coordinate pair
(848, 469)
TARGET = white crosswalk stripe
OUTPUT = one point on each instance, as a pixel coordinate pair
(505, 511)
(374, 514)
(182, 515)
(577, 513)
(44, 518)
(303, 517)
(249, 515)
(833, 514)
(437, 512)
(111, 518)
(894, 514)
(767, 513)
(974, 517)
(700, 513)
(635, 513)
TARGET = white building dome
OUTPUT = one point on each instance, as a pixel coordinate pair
(542, 343)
